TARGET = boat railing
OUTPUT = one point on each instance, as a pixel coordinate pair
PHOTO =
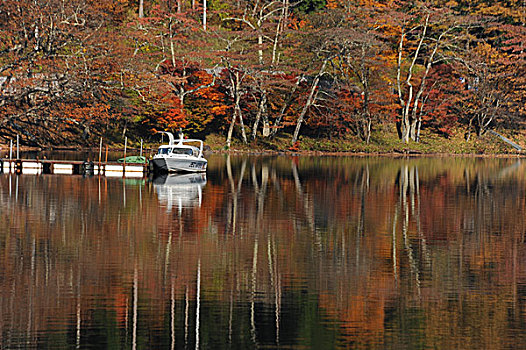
(182, 140)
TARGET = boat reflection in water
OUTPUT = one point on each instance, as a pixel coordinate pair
(180, 191)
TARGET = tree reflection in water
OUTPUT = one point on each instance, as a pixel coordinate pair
(318, 252)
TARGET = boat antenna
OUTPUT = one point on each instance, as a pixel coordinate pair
(181, 136)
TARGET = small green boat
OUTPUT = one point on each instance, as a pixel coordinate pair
(133, 160)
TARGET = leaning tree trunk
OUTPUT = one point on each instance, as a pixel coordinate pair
(242, 125)
(310, 101)
(234, 89)
(231, 129)
(286, 105)
(262, 108)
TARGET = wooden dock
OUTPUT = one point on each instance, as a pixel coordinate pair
(72, 167)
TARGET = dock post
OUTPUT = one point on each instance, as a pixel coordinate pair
(10, 154)
(76, 169)
(100, 155)
(18, 166)
(106, 161)
(17, 147)
(47, 168)
(124, 163)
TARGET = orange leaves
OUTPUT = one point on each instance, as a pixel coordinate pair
(174, 117)
(333, 4)
(296, 23)
(89, 114)
(218, 110)
(210, 94)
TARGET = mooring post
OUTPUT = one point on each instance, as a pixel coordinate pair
(141, 149)
(47, 167)
(124, 164)
(100, 155)
(106, 161)
(10, 154)
(18, 162)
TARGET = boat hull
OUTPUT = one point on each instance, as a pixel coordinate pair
(178, 165)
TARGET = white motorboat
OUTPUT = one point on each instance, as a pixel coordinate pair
(180, 156)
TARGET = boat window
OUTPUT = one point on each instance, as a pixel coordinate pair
(163, 151)
(187, 151)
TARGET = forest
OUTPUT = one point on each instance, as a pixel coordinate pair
(271, 73)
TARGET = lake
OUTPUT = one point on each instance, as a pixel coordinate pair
(269, 252)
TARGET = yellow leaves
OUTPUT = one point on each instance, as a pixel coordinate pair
(495, 10)
(483, 49)
(334, 4)
(487, 52)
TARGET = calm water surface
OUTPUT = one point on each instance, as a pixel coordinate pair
(268, 252)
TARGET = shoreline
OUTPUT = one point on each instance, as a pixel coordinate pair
(385, 143)
(399, 154)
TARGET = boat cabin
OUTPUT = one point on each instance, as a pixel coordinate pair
(181, 149)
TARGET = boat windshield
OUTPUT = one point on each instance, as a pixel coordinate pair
(187, 151)
(177, 150)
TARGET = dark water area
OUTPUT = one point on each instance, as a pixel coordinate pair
(268, 252)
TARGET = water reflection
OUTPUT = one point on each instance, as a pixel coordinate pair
(179, 190)
(316, 252)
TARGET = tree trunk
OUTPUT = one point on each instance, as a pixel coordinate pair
(367, 129)
(286, 104)
(235, 82)
(240, 115)
(262, 109)
(266, 125)
(406, 104)
(405, 128)
(412, 129)
(172, 49)
(260, 42)
(231, 129)
(310, 101)
(141, 8)
(204, 15)
(179, 6)
(467, 135)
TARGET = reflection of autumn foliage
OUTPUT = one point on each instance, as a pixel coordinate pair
(370, 241)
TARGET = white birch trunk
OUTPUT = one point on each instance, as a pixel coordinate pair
(204, 15)
(141, 8)
(310, 101)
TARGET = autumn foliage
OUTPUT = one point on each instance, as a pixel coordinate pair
(258, 70)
